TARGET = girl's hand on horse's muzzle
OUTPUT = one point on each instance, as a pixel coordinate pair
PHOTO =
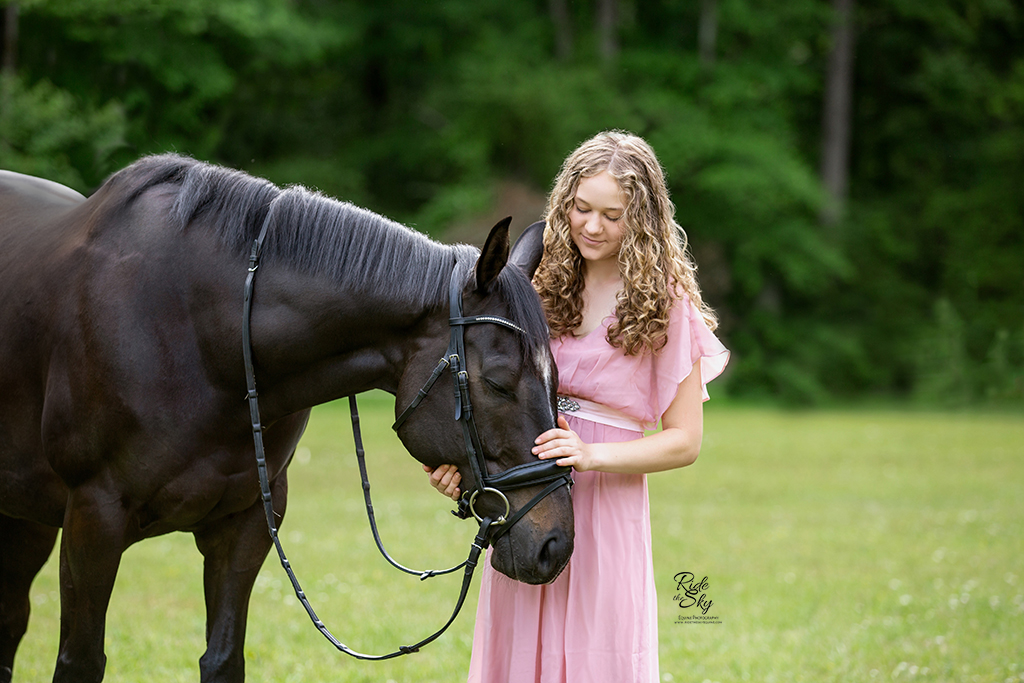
(446, 479)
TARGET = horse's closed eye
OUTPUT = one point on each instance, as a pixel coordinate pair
(500, 390)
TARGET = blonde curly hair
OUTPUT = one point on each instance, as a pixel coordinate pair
(654, 261)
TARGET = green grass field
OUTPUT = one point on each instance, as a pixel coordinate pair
(836, 546)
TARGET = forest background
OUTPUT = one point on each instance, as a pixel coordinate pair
(850, 173)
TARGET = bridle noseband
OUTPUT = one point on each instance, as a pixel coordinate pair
(520, 476)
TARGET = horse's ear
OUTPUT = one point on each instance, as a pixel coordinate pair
(493, 256)
(528, 249)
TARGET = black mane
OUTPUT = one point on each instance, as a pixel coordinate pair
(317, 234)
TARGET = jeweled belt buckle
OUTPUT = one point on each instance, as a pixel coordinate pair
(567, 405)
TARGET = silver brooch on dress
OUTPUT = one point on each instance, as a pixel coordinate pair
(567, 405)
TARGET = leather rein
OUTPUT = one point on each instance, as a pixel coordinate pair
(491, 528)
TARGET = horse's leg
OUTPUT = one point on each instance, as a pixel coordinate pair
(233, 549)
(26, 547)
(90, 553)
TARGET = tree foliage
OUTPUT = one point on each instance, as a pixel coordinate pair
(419, 110)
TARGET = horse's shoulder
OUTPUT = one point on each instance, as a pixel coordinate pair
(38, 189)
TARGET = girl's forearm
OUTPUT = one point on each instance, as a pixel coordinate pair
(668, 449)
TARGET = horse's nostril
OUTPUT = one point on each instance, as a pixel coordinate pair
(553, 555)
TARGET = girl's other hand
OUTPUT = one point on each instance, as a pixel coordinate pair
(446, 479)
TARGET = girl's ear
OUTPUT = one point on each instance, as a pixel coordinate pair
(528, 249)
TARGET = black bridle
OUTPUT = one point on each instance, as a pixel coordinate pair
(520, 476)
(484, 483)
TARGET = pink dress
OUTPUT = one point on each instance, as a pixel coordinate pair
(597, 622)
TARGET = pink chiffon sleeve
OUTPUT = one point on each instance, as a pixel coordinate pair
(690, 344)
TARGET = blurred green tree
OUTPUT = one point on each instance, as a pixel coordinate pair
(423, 110)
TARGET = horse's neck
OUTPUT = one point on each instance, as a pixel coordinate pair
(315, 341)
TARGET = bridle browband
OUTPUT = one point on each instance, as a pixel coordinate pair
(521, 476)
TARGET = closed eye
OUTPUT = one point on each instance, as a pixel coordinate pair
(500, 390)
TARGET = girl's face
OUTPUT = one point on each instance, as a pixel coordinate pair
(596, 218)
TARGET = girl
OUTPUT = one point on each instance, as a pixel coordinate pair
(633, 342)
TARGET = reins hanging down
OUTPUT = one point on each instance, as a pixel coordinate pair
(361, 458)
(529, 474)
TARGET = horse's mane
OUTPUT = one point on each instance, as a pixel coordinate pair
(317, 234)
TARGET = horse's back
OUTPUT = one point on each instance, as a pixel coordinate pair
(24, 193)
(35, 216)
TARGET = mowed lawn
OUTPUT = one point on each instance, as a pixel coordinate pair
(823, 546)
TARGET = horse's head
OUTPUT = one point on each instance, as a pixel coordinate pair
(511, 380)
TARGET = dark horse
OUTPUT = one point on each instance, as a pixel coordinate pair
(122, 387)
